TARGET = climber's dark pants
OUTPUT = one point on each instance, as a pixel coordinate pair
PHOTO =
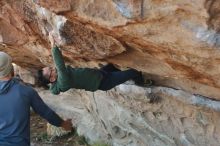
(113, 77)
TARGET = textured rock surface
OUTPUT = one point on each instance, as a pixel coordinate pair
(124, 116)
(176, 41)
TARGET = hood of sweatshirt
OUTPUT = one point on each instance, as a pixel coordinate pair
(6, 85)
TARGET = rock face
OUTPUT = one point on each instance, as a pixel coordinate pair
(125, 117)
(175, 43)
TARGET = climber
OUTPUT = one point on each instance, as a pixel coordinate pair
(16, 100)
(62, 78)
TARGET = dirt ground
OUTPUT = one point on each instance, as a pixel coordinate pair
(39, 135)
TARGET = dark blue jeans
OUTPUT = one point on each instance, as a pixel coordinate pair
(113, 77)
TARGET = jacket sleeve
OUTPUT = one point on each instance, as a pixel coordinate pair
(63, 78)
(54, 89)
(58, 59)
(43, 110)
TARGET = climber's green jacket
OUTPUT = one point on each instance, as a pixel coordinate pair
(68, 77)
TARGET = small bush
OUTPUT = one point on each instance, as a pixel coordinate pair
(82, 140)
(99, 144)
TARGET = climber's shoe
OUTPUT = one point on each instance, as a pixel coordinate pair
(143, 82)
(148, 82)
